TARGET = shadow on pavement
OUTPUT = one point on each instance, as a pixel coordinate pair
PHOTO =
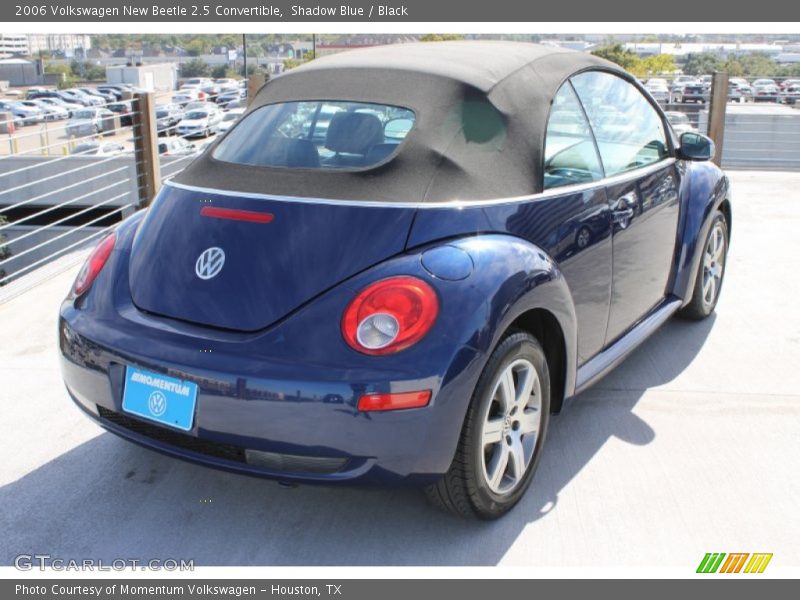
(111, 499)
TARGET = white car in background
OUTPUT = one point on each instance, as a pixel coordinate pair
(658, 89)
(70, 107)
(98, 149)
(765, 90)
(201, 122)
(196, 82)
(229, 119)
(227, 84)
(680, 122)
(175, 147)
(184, 96)
(52, 112)
(22, 114)
(89, 121)
(200, 105)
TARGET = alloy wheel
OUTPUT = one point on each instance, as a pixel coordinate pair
(511, 426)
(713, 264)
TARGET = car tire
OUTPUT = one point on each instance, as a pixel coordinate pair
(710, 272)
(483, 480)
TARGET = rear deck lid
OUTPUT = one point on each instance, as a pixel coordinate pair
(243, 262)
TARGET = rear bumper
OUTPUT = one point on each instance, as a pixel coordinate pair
(300, 430)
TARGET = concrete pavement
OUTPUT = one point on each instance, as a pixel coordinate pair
(691, 446)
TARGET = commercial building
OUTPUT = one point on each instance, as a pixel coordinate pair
(154, 77)
(18, 71)
(12, 45)
(69, 44)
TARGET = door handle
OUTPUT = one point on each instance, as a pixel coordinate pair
(623, 212)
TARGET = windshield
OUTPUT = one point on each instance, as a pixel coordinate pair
(84, 114)
(317, 135)
(196, 114)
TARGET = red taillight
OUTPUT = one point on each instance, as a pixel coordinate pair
(94, 264)
(373, 402)
(390, 315)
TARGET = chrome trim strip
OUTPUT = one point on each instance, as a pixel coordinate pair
(551, 193)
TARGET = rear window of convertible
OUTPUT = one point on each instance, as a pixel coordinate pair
(317, 135)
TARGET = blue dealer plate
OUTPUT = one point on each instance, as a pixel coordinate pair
(159, 398)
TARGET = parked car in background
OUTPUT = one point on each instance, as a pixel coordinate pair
(175, 147)
(52, 112)
(765, 90)
(788, 83)
(240, 103)
(89, 121)
(372, 310)
(225, 98)
(81, 97)
(227, 84)
(735, 94)
(184, 96)
(680, 81)
(201, 105)
(118, 89)
(658, 89)
(125, 111)
(694, 91)
(229, 119)
(167, 117)
(32, 92)
(791, 94)
(40, 93)
(95, 148)
(200, 122)
(106, 97)
(679, 121)
(117, 93)
(196, 82)
(745, 90)
(22, 113)
(70, 107)
(211, 89)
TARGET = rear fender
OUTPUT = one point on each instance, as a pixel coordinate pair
(509, 278)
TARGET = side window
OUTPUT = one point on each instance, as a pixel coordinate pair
(570, 155)
(629, 131)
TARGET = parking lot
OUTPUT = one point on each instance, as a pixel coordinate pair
(51, 138)
(691, 446)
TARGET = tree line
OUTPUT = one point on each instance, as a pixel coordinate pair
(756, 64)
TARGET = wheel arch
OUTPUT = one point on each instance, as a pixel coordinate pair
(545, 327)
(707, 190)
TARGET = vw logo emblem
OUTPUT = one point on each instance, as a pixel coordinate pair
(157, 403)
(209, 263)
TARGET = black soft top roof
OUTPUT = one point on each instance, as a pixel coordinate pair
(481, 112)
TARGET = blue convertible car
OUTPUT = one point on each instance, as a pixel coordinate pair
(396, 266)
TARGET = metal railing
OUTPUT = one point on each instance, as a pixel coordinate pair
(57, 198)
(56, 204)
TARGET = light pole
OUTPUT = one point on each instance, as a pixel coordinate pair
(244, 53)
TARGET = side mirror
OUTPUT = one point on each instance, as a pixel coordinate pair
(695, 146)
